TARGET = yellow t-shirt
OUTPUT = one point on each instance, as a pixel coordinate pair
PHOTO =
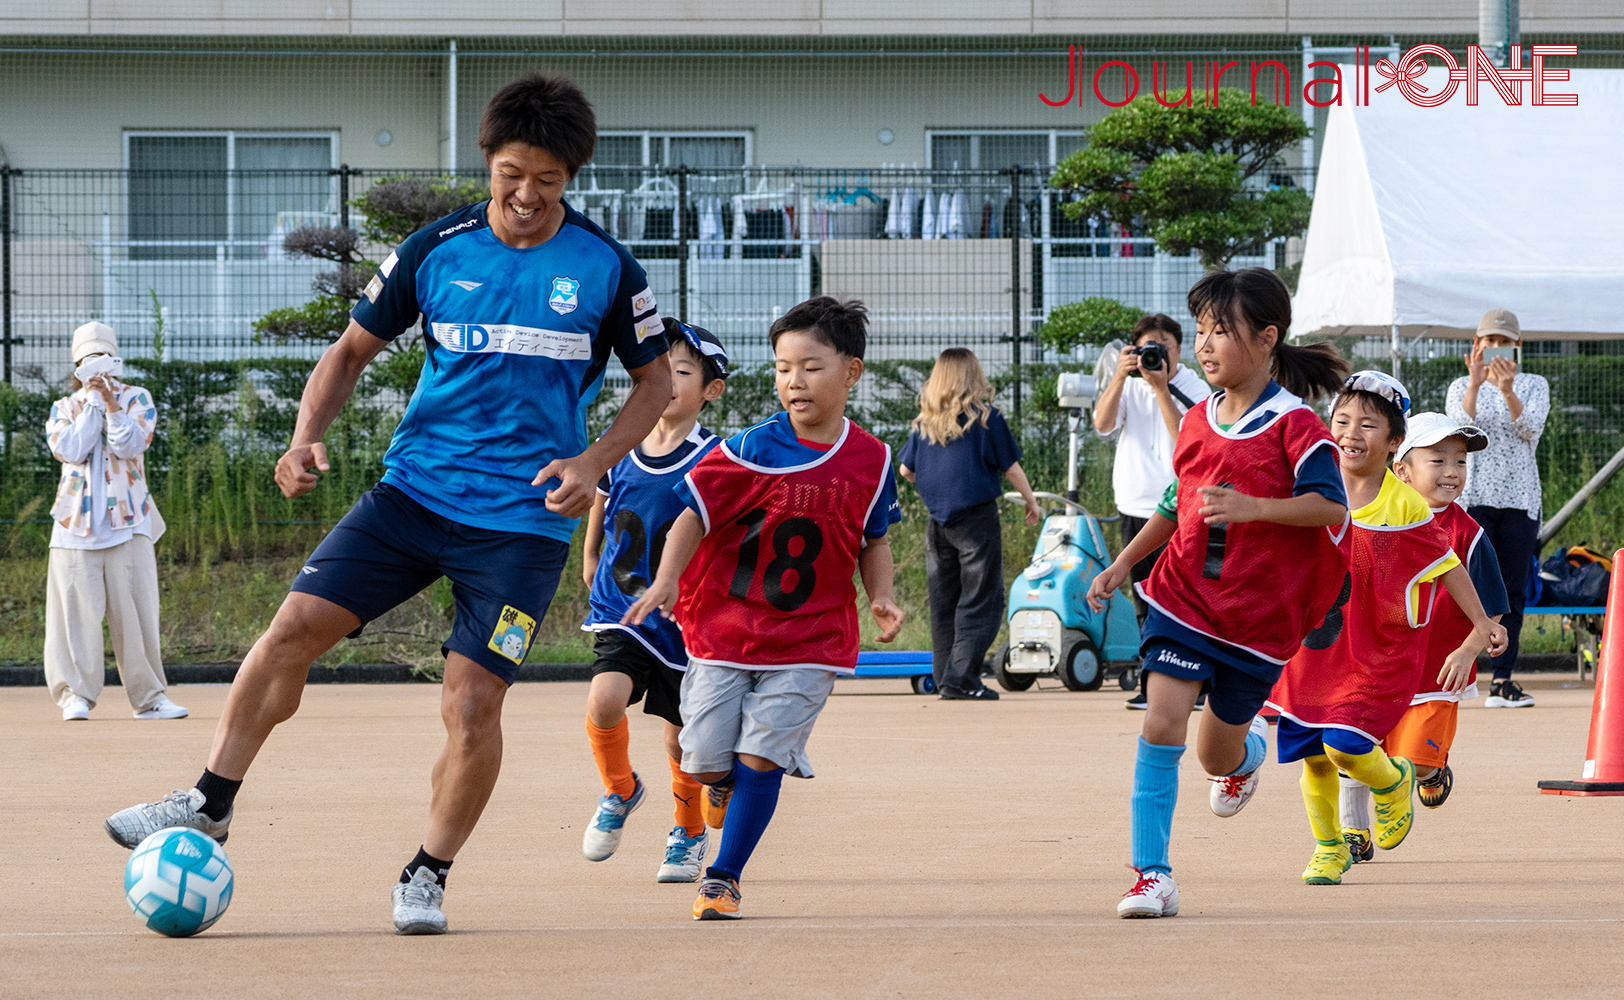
(1398, 505)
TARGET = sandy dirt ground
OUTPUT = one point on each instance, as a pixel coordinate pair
(944, 850)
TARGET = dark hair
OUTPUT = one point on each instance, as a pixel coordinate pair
(708, 369)
(547, 112)
(1252, 299)
(1377, 403)
(1157, 321)
(841, 325)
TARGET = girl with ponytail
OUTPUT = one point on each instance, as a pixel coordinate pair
(1257, 547)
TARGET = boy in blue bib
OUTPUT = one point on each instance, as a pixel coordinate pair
(635, 509)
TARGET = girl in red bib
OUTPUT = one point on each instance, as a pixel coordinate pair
(1256, 531)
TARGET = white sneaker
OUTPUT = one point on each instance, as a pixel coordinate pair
(417, 904)
(163, 708)
(128, 827)
(1231, 793)
(1507, 694)
(76, 710)
(1154, 895)
(684, 856)
(602, 835)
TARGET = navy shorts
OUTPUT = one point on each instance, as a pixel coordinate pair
(1233, 695)
(1296, 741)
(389, 547)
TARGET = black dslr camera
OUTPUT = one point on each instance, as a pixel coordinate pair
(1152, 357)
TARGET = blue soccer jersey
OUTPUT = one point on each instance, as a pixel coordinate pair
(517, 341)
(640, 509)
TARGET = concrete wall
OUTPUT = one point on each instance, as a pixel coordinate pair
(785, 17)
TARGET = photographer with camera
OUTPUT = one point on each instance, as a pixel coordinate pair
(1142, 401)
(1502, 491)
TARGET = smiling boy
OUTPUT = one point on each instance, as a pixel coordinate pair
(523, 301)
(779, 517)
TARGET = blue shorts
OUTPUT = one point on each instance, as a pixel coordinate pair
(1233, 694)
(1296, 741)
(389, 547)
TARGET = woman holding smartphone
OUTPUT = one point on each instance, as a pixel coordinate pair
(1502, 484)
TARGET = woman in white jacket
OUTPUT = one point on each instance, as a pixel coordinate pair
(102, 563)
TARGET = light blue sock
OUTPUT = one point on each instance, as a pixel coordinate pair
(1155, 792)
(1257, 751)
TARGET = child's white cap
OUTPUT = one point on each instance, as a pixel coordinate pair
(1426, 429)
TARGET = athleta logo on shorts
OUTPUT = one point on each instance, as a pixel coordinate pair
(1168, 656)
(563, 298)
(472, 338)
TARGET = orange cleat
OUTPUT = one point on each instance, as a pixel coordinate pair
(715, 805)
(718, 900)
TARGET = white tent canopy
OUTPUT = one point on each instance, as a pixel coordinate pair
(1425, 218)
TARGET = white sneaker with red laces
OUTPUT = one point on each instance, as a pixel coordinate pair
(1231, 792)
(1154, 895)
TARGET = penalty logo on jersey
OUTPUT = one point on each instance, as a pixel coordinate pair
(563, 298)
(512, 635)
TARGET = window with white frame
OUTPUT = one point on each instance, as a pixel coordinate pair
(999, 149)
(670, 149)
(192, 194)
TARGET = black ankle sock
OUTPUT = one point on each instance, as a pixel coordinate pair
(426, 860)
(218, 794)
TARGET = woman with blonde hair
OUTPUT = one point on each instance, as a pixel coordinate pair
(958, 453)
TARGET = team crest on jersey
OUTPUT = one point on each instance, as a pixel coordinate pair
(512, 635)
(563, 298)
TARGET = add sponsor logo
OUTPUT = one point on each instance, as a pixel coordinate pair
(467, 286)
(563, 299)
(505, 338)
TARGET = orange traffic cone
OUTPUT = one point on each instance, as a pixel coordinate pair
(1604, 757)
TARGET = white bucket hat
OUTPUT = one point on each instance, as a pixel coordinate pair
(94, 338)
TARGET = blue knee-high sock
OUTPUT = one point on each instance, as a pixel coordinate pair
(1257, 751)
(755, 796)
(1155, 791)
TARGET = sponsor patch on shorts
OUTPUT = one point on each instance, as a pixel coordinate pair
(1169, 658)
(512, 635)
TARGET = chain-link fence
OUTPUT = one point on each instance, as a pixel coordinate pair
(186, 265)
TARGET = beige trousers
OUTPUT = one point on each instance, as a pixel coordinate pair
(82, 587)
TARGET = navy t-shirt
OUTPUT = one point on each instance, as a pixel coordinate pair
(517, 340)
(966, 471)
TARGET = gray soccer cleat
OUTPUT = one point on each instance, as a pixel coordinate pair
(417, 904)
(128, 827)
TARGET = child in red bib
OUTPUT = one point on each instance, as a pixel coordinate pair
(1354, 675)
(1255, 528)
(758, 572)
(1432, 460)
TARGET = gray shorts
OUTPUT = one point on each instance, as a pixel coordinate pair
(768, 713)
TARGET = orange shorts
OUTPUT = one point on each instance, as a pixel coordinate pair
(1425, 733)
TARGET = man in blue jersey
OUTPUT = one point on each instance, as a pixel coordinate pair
(522, 301)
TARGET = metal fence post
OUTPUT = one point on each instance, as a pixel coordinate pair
(681, 224)
(1015, 293)
(344, 195)
(5, 268)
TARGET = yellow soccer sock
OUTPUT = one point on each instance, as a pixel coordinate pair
(1373, 768)
(1320, 794)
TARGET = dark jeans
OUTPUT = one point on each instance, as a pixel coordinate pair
(1131, 527)
(964, 570)
(1515, 537)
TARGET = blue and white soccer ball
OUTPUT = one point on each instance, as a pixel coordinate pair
(178, 881)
